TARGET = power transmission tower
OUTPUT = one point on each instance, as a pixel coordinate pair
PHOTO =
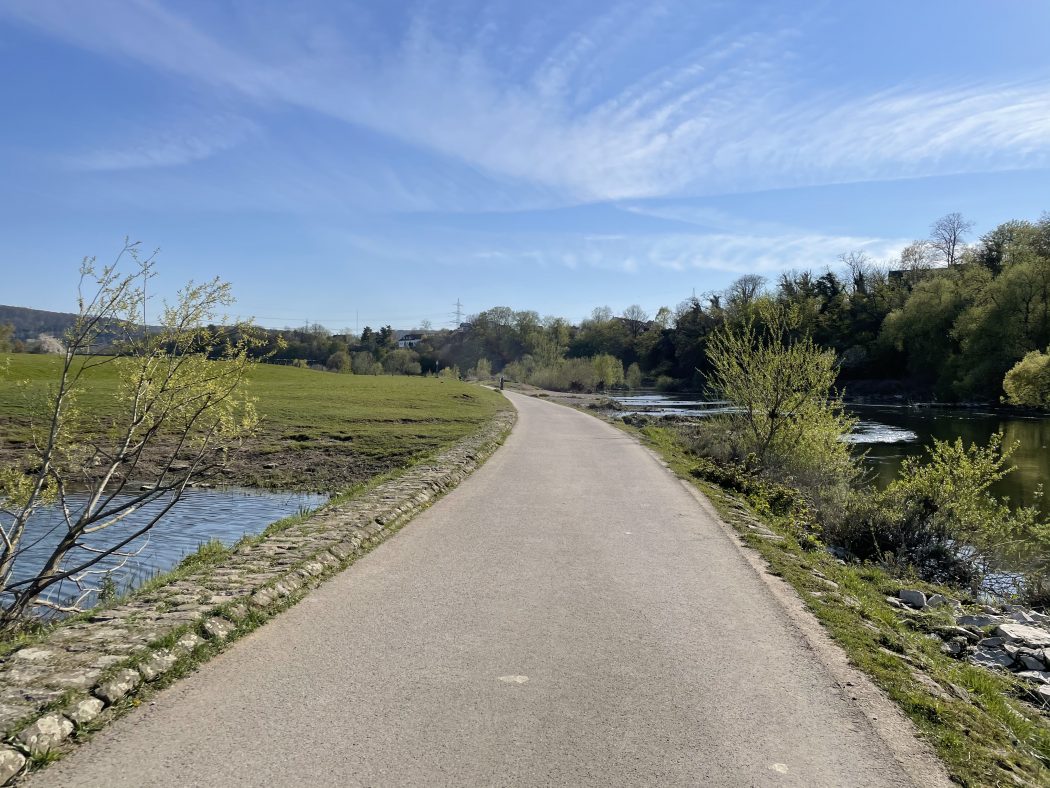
(459, 313)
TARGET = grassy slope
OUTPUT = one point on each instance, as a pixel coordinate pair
(972, 716)
(323, 431)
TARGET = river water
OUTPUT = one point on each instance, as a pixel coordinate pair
(888, 434)
(200, 516)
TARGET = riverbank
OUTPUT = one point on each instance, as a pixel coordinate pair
(56, 690)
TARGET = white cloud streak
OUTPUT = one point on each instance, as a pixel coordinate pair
(725, 117)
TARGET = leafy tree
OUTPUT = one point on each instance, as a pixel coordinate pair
(634, 376)
(339, 361)
(402, 362)
(608, 371)
(1028, 381)
(785, 412)
(179, 414)
(362, 363)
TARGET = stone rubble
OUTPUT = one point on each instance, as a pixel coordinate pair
(103, 660)
(1004, 639)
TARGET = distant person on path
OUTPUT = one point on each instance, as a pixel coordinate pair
(501, 383)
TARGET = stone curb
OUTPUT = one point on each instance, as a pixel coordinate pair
(73, 678)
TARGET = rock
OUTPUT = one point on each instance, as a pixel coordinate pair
(84, 711)
(159, 663)
(218, 628)
(980, 621)
(955, 646)
(237, 612)
(11, 763)
(123, 682)
(188, 642)
(1044, 695)
(912, 598)
(45, 733)
(991, 658)
(1032, 659)
(892, 601)
(958, 632)
(1033, 637)
(269, 466)
(75, 679)
(264, 597)
(992, 642)
(33, 654)
(1021, 617)
(1035, 676)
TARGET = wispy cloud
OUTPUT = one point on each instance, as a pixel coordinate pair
(165, 147)
(726, 252)
(726, 115)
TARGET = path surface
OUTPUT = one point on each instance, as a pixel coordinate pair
(569, 616)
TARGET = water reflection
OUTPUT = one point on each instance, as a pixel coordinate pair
(199, 517)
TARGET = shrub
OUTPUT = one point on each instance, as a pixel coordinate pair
(402, 362)
(633, 377)
(940, 517)
(1028, 381)
(784, 409)
(339, 361)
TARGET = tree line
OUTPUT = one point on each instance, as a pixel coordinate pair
(950, 318)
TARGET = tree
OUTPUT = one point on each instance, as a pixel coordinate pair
(636, 318)
(180, 410)
(7, 332)
(634, 376)
(1028, 381)
(785, 412)
(361, 363)
(402, 362)
(339, 361)
(742, 292)
(947, 236)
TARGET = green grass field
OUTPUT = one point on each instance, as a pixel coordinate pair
(320, 430)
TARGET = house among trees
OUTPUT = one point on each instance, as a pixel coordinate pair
(409, 340)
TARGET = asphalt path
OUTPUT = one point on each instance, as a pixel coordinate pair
(571, 615)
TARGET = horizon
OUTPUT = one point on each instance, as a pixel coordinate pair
(361, 165)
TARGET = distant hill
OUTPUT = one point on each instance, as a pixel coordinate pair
(30, 323)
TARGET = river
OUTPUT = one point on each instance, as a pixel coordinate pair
(888, 434)
(200, 516)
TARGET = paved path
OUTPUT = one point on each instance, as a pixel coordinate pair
(569, 616)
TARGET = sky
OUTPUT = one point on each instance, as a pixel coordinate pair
(373, 163)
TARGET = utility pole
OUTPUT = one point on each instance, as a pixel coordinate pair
(459, 313)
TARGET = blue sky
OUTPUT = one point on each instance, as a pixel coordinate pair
(375, 161)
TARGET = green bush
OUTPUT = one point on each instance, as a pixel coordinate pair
(784, 410)
(940, 518)
(1028, 381)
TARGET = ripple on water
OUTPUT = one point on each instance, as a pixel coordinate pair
(871, 432)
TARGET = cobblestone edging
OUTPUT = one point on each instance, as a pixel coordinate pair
(71, 681)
